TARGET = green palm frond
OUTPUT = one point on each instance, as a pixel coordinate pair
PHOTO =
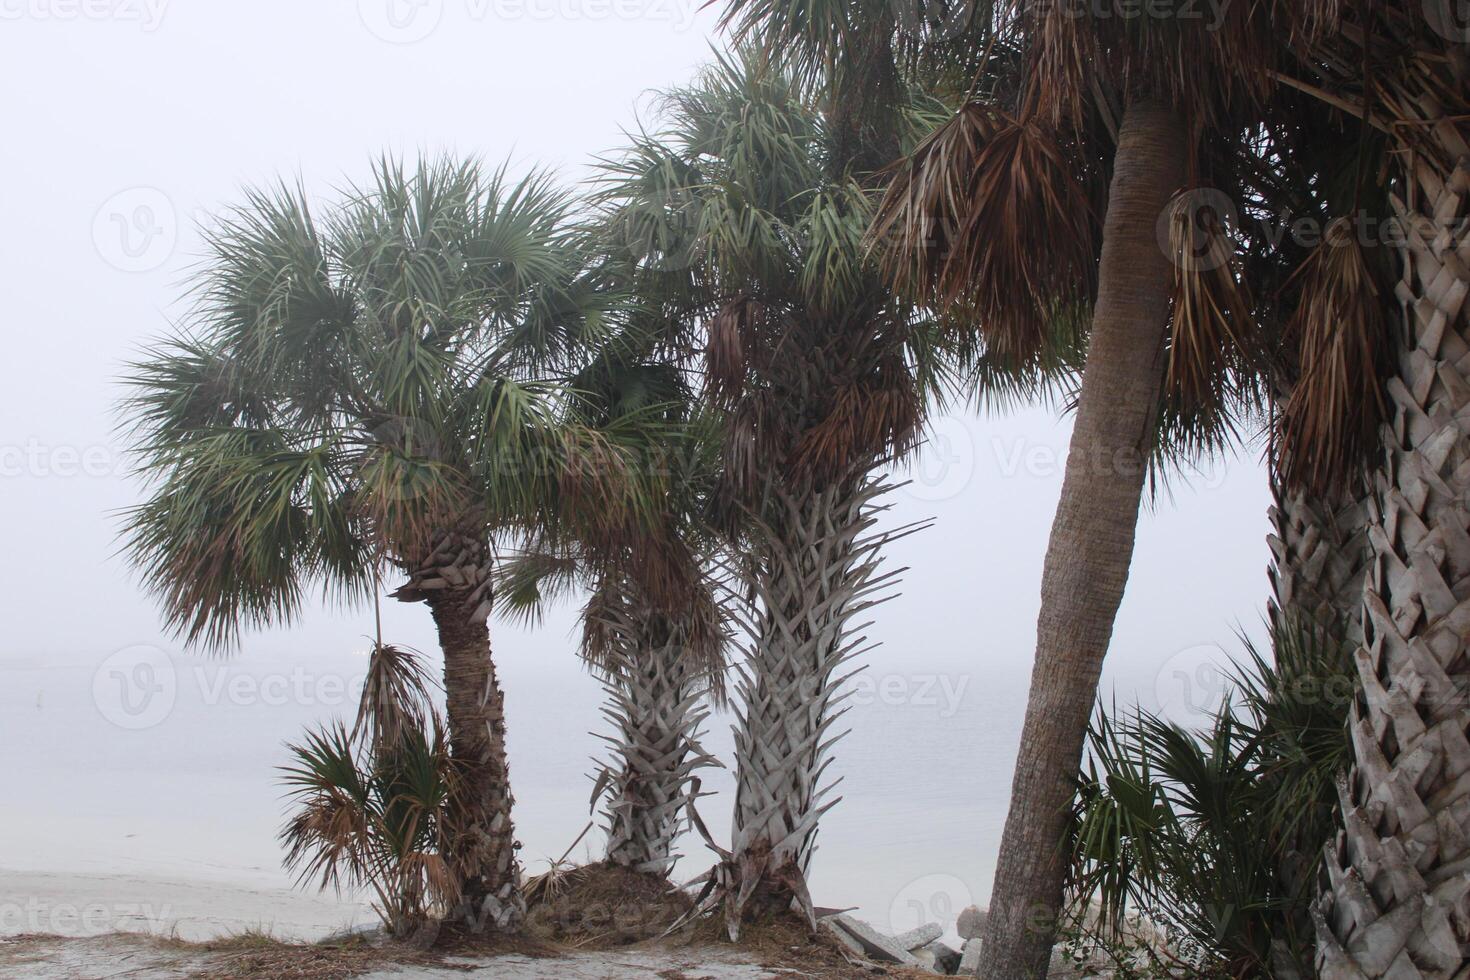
(358, 377)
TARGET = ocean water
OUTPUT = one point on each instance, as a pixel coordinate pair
(151, 764)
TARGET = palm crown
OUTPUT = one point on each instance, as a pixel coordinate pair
(360, 381)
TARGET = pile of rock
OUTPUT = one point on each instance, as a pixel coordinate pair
(920, 948)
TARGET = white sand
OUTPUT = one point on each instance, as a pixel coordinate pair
(98, 904)
(105, 957)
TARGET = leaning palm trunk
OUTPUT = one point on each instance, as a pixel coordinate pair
(813, 568)
(1092, 539)
(1396, 898)
(455, 581)
(656, 701)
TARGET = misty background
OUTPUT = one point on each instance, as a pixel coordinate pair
(127, 122)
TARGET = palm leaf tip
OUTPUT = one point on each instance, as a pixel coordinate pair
(988, 214)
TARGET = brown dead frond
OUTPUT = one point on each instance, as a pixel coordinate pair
(1211, 331)
(395, 695)
(989, 213)
(1344, 339)
(725, 362)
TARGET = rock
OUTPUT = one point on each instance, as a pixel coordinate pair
(938, 957)
(971, 923)
(970, 961)
(842, 936)
(922, 936)
(875, 945)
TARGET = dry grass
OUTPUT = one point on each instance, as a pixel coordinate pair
(785, 943)
(601, 906)
(255, 955)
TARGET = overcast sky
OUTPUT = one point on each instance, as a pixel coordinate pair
(125, 120)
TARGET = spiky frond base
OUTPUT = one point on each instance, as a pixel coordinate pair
(1397, 902)
(656, 703)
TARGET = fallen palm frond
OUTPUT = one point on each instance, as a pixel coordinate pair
(1344, 339)
(988, 213)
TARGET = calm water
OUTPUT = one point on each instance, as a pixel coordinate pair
(179, 783)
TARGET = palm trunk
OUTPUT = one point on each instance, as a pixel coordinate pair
(814, 572)
(1319, 552)
(1396, 898)
(455, 582)
(656, 703)
(1092, 539)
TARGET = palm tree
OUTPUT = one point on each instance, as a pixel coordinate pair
(1395, 899)
(741, 222)
(662, 659)
(990, 213)
(362, 389)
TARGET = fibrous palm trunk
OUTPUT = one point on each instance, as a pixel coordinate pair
(455, 581)
(1092, 538)
(1396, 898)
(1319, 551)
(656, 701)
(814, 568)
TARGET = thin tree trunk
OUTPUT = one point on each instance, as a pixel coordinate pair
(815, 571)
(1396, 897)
(656, 704)
(455, 582)
(1092, 539)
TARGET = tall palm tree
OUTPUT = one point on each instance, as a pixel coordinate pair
(1118, 119)
(742, 221)
(661, 658)
(1396, 899)
(364, 388)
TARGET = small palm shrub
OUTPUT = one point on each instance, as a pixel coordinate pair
(372, 806)
(1212, 837)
